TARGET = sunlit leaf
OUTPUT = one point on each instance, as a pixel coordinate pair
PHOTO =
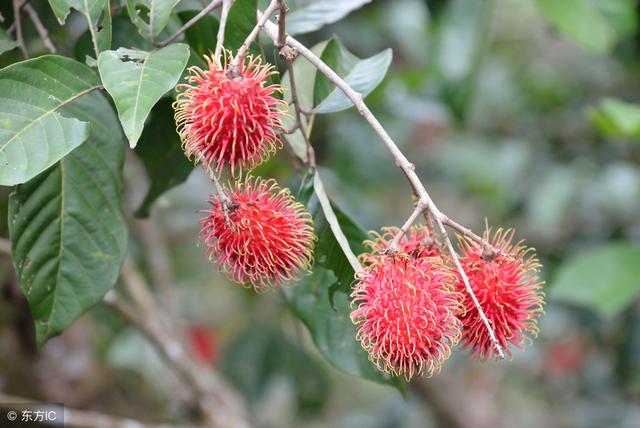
(313, 15)
(137, 80)
(596, 24)
(605, 279)
(617, 118)
(363, 75)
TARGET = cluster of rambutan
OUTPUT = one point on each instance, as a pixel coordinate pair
(411, 305)
(230, 117)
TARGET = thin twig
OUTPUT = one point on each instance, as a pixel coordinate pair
(400, 159)
(17, 5)
(219, 189)
(40, 28)
(288, 54)
(244, 48)
(393, 246)
(311, 155)
(224, 14)
(282, 18)
(190, 23)
(78, 418)
(217, 400)
(5, 247)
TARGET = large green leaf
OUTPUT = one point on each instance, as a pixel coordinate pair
(605, 279)
(67, 228)
(314, 15)
(240, 21)
(201, 36)
(34, 131)
(617, 118)
(6, 42)
(363, 75)
(137, 80)
(150, 16)
(331, 328)
(596, 24)
(162, 155)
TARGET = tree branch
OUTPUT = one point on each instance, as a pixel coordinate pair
(40, 28)
(190, 23)
(216, 399)
(224, 14)
(400, 159)
(17, 5)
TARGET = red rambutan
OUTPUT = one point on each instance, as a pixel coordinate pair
(406, 310)
(229, 117)
(508, 288)
(261, 235)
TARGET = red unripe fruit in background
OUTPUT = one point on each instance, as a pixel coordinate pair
(508, 288)
(261, 235)
(406, 311)
(229, 117)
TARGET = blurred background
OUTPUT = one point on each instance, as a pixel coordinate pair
(515, 112)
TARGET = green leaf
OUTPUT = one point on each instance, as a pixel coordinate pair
(597, 25)
(363, 75)
(201, 36)
(35, 128)
(617, 118)
(150, 16)
(6, 42)
(316, 14)
(240, 21)
(60, 9)
(605, 279)
(98, 15)
(331, 328)
(162, 155)
(137, 80)
(67, 228)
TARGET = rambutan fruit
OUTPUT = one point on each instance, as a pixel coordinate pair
(508, 287)
(406, 311)
(229, 117)
(259, 234)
